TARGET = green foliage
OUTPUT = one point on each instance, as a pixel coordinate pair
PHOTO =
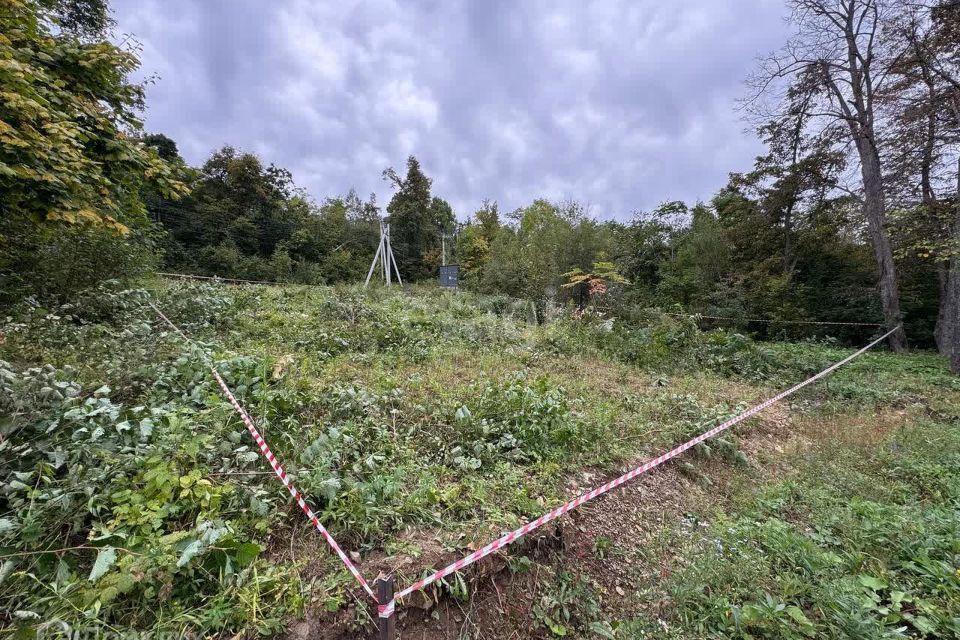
(528, 259)
(245, 220)
(125, 469)
(80, 166)
(85, 19)
(70, 173)
(570, 605)
(249, 221)
(869, 550)
(394, 411)
(56, 263)
(517, 421)
(474, 241)
(126, 488)
(416, 222)
(662, 343)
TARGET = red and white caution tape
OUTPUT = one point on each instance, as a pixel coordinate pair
(386, 609)
(285, 479)
(277, 468)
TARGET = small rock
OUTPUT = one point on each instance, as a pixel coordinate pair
(618, 590)
(355, 556)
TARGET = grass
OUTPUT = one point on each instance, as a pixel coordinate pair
(861, 541)
(421, 424)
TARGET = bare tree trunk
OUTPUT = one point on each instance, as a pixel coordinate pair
(874, 211)
(927, 193)
(948, 320)
(943, 279)
(858, 112)
(788, 241)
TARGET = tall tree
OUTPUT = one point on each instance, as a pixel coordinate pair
(838, 64)
(924, 106)
(474, 241)
(69, 157)
(488, 217)
(84, 19)
(798, 172)
(165, 146)
(416, 221)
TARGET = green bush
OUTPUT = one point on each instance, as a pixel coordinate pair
(519, 420)
(56, 263)
(105, 502)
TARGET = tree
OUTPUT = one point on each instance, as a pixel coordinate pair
(830, 275)
(544, 240)
(793, 178)
(416, 222)
(835, 67)
(246, 209)
(83, 19)
(488, 217)
(473, 253)
(924, 106)
(645, 245)
(593, 285)
(475, 240)
(66, 152)
(69, 156)
(700, 258)
(166, 147)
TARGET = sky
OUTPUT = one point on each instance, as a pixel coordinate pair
(620, 105)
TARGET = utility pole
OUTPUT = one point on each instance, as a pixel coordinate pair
(444, 236)
(449, 273)
(384, 257)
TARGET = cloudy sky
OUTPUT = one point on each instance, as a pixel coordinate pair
(618, 104)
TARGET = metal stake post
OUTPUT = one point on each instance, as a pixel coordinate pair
(384, 586)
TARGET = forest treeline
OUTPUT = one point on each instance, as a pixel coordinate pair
(851, 214)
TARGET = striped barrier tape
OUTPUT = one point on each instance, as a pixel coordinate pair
(285, 479)
(386, 610)
(277, 468)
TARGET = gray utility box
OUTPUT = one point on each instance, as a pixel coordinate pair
(449, 276)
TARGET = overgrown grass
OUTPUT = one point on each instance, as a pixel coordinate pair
(132, 498)
(863, 542)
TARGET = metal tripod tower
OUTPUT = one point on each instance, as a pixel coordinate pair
(384, 256)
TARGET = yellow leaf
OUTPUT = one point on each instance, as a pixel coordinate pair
(65, 216)
(89, 216)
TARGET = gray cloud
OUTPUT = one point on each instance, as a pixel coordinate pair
(621, 104)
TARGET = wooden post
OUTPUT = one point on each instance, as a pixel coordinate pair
(384, 586)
